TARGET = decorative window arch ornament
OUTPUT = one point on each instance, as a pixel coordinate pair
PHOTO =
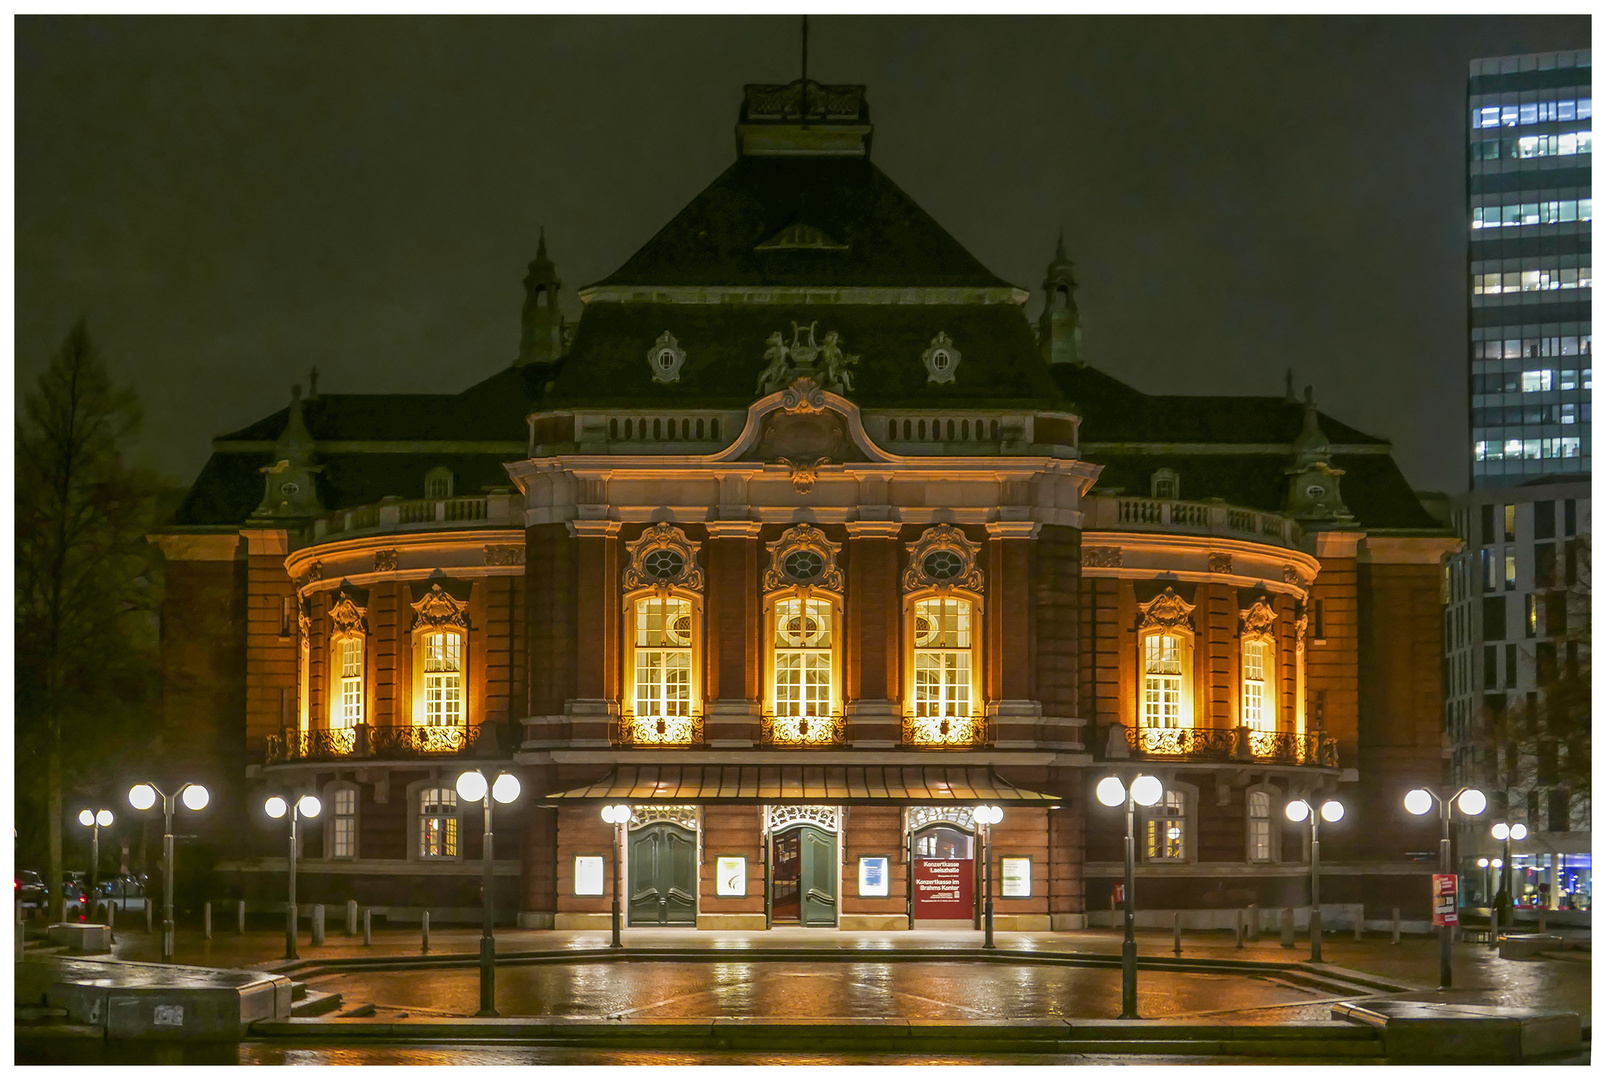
(942, 559)
(347, 616)
(922, 816)
(686, 816)
(666, 358)
(1256, 620)
(780, 818)
(805, 561)
(439, 609)
(941, 359)
(1168, 611)
(662, 559)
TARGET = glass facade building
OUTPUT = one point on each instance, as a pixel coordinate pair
(1529, 209)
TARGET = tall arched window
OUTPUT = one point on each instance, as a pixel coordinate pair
(943, 657)
(663, 601)
(1165, 662)
(347, 678)
(803, 591)
(1259, 825)
(349, 707)
(437, 823)
(443, 678)
(1258, 668)
(1165, 834)
(943, 592)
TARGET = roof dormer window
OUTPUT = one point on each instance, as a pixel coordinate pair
(1165, 484)
(438, 483)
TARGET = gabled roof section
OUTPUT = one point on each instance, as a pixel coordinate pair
(722, 237)
(725, 345)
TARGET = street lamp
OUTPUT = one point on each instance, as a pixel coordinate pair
(987, 816)
(1505, 833)
(616, 816)
(1143, 791)
(1471, 803)
(472, 787)
(143, 797)
(1483, 864)
(306, 806)
(94, 821)
(1331, 811)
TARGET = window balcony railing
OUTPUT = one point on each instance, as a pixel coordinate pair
(802, 731)
(399, 742)
(1316, 748)
(946, 732)
(659, 731)
(1121, 513)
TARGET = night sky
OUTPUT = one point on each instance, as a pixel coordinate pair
(231, 201)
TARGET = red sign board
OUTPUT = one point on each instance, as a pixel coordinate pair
(1444, 900)
(943, 888)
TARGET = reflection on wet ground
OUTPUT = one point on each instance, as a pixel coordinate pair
(952, 991)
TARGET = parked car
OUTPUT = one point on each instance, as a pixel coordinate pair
(121, 886)
(30, 888)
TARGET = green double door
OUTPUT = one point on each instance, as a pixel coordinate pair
(803, 884)
(663, 876)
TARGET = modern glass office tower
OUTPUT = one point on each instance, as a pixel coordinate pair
(1529, 209)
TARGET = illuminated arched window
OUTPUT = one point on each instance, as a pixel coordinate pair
(803, 658)
(943, 657)
(1258, 668)
(1162, 680)
(443, 678)
(347, 664)
(349, 697)
(803, 604)
(663, 615)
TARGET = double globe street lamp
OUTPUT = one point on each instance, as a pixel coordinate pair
(1506, 833)
(307, 806)
(1331, 811)
(1143, 791)
(473, 787)
(94, 821)
(616, 815)
(986, 817)
(143, 797)
(1471, 802)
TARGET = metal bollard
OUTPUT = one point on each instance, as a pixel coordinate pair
(206, 917)
(1176, 932)
(111, 916)
(317, 924)
(1542, 920)
(1396, 926)
(239, 915)
(1254, 922)
(367, 926)
(351, 918)
(1238, 930)
(150, 916)
(1288, 928)
(426, 931)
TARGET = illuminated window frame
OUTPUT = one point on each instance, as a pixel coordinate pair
(343, 802)
(436, 832)
(438, 612)
(1256, 636)
(961, 581)
(1174, 812)
(1261, 836)
(1166, 615)
(662, 568)
(825, 588)
(347, 695)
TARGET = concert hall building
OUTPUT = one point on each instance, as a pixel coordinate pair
(804, 542)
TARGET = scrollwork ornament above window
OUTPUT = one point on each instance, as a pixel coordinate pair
(941, 359)
(803, 559)
(1300, 626)
(1257, 618)
(346, 615)
(1168, 611)
(942, 559)
(662, 558)
(666, 357)
(304, 624)
(687, 817)
(437, 609)
(783, 817)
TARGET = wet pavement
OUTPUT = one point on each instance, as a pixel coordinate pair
(842, 989)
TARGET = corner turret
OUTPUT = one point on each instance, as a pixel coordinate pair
(1313, 494)
(541, 325)
(291, 481)
(1059, 330)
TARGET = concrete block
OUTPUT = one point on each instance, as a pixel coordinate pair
(164, 1002)
(1526, 946)
(82, 937)
(1445, 1032)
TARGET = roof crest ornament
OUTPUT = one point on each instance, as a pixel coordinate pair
(826, 364)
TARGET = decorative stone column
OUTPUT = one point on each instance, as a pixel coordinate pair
(874, 635)
(733, 649)
(1011, 658)
(594, 710)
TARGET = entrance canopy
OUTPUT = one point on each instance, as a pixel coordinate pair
(853, 785)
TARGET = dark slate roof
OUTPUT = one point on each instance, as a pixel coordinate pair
(492, 410)
(1372, 486)
(1112, 411)
(889, 240)
(724, 344)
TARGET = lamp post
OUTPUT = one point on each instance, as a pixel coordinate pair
(1143, 791)
(1483, 864)
(472, 787)
(308, 806)
(1506, 833)
(1333, 811)
(987, 817)
(143, 797)
(616, 816)
(94, 821)
(1471, 802)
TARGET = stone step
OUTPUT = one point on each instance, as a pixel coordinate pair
(315, 1003)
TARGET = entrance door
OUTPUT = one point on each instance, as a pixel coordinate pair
(805, 877)
(663, 876)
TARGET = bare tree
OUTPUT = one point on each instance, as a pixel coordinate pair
(87, 584)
